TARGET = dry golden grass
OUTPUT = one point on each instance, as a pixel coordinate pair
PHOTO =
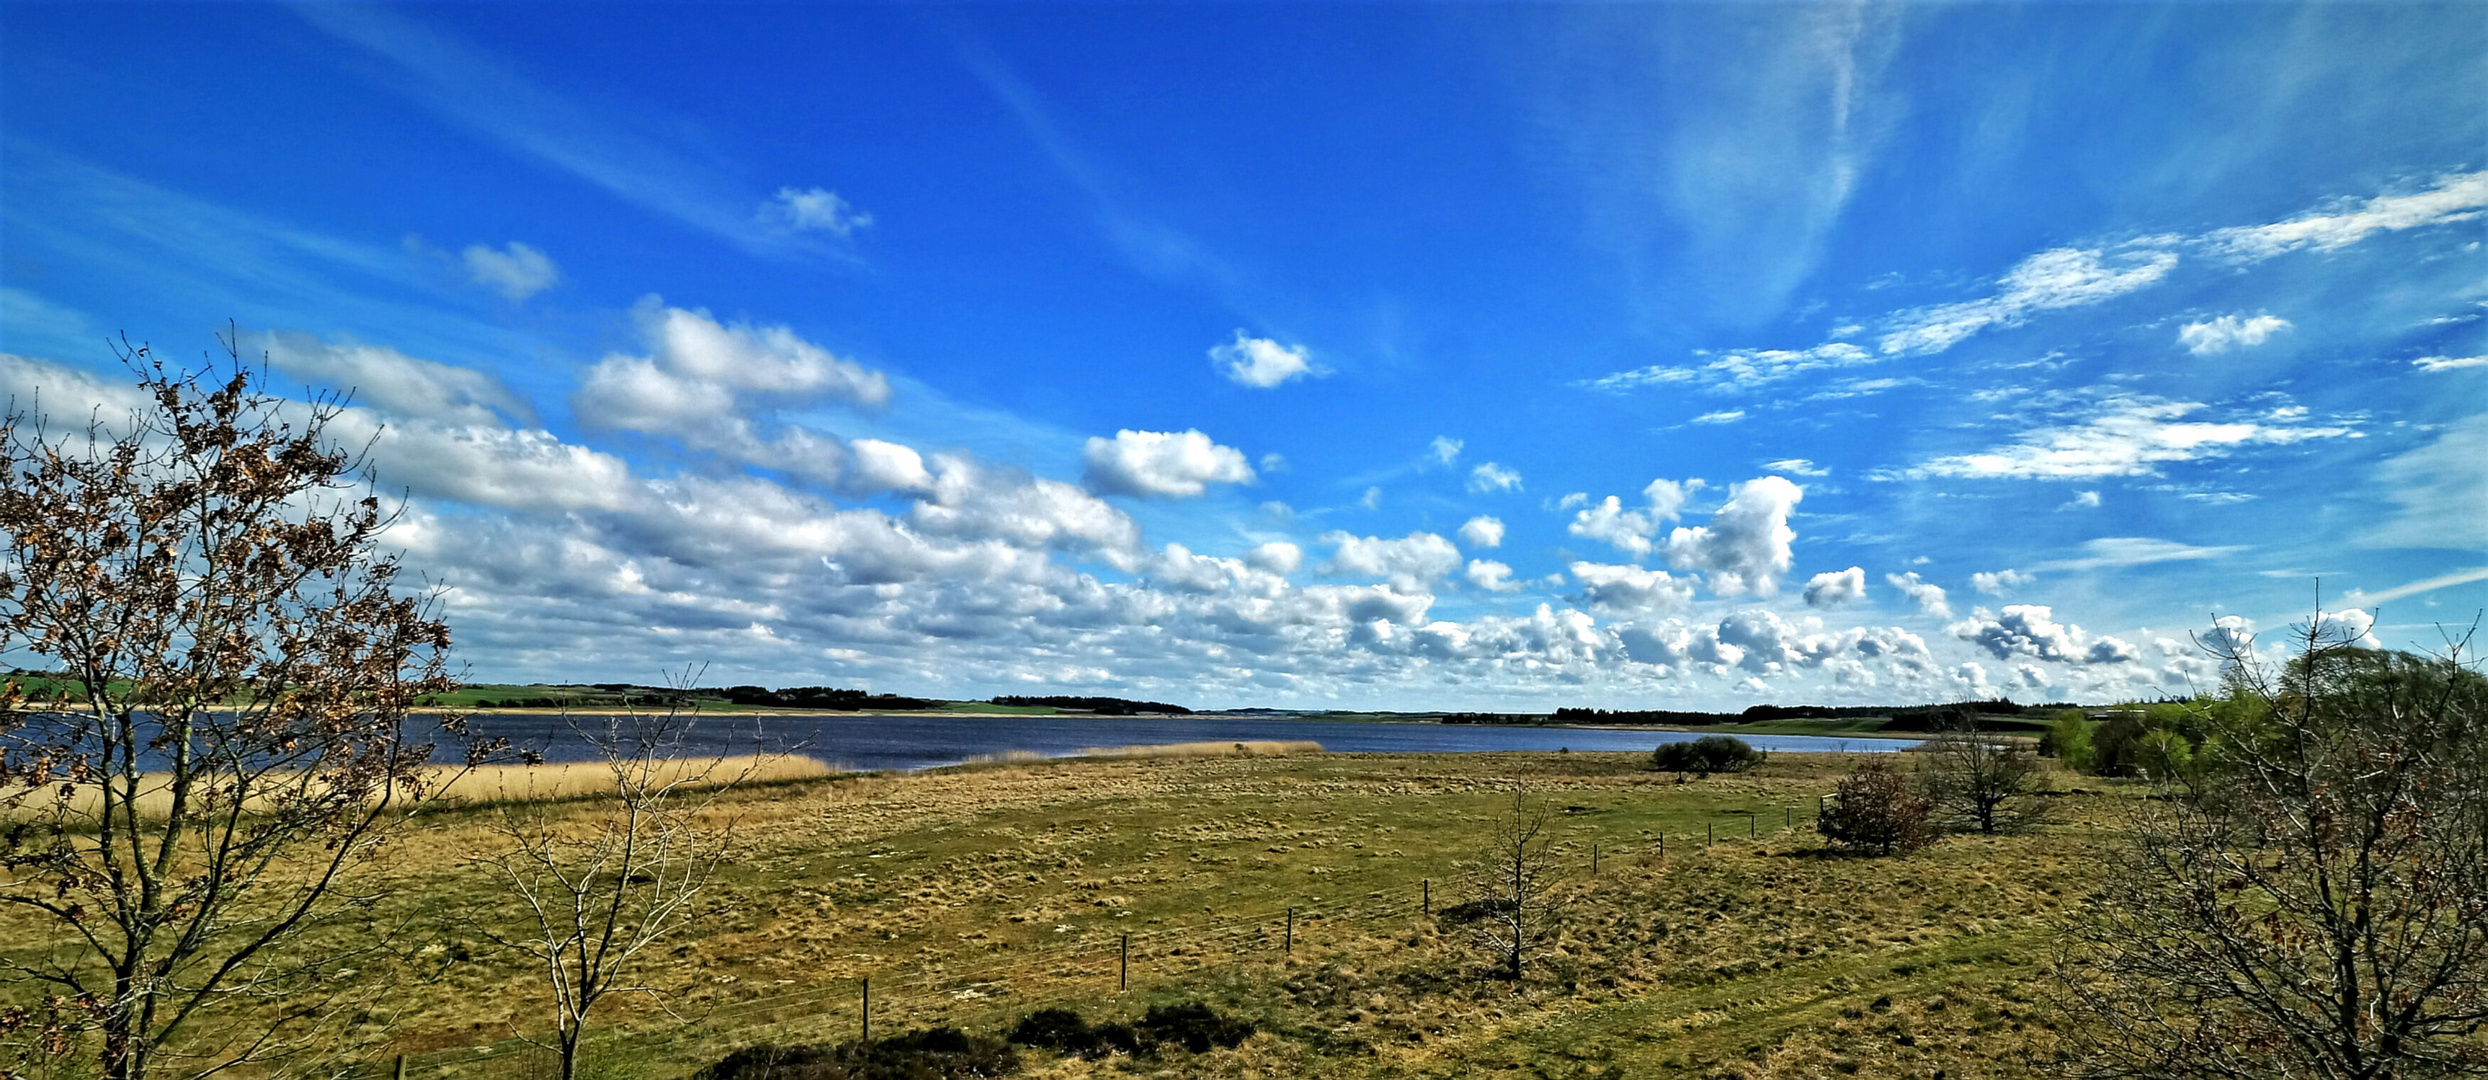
(574, 779)
(973, 896)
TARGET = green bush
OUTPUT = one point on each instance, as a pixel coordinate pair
(2068, 739)
(1878, 810)
(1706, 755)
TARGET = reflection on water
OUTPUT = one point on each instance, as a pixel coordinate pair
(917, 741)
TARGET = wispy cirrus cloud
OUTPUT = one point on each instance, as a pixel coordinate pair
(476, 90)
(2071, 277)
(2125, 435)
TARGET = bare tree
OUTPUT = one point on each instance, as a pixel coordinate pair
(2312, 901)
(225, 737)
(605, 879)
(1978, 778)
(1516, 883)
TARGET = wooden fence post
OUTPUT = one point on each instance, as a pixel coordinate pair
(1123, 977)
(398, 1071)
(868, 1008)
(1291, 932)
(1426, 905)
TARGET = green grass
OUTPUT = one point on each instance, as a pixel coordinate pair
(975, 895)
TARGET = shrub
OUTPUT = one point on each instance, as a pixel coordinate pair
(941, 1053)
(1192, 1025)
(1706, 755)
(1877, 809)
(2068, 740)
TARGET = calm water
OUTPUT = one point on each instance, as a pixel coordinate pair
(920, 742)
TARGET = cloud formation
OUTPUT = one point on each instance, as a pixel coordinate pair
(2456, 197)
(1745, 547)
(1832, 588)
(1490, 477)
(2127, 435)
(1175, 464)
(518, 270)
(1482, 531)
(814, 210)
(1260, 362)
(1928, 595)
(2228, 332)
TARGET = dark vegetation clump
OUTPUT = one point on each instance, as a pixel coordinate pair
(1474, 910)
(1192, 1025)
(942, 1053)
(1877, 810)
(1706, 755)
(824, 697)
(1102, 706)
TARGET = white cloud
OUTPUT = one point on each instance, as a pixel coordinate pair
(1411, 562)
(2124, 435)
(2031, 630)
(814, 209)
(1796, 466)
(2353, 628)
(2229, 332)
(1491, 575)
(2449, 363)
(1723, 416)
(1488, 477)
(1277, 557)
(518, 270)
(1834, 587)
(1631, 588)
(1371, 499)
(2081, 500)
(1930, 596)
(1625, 530)
(393, 381)
(2109, 551)
(2049, 280)
(2362, 598)
(1260, 362)
(2456, 197)
(2000, 581)
(1667, 497)
(877, 466)
(1745, 548)
(1177, 464)
(1482, 531)
(1445, 448)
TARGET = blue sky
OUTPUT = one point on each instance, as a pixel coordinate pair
(1411, 356)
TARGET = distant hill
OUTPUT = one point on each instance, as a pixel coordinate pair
(1104, 706)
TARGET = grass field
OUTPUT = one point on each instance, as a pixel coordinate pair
(974, 895)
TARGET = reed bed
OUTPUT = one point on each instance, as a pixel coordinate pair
(480, 785)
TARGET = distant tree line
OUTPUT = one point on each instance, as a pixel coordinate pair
(1104, 706)
(830, 698)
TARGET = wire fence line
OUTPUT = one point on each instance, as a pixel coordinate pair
(1042, 974)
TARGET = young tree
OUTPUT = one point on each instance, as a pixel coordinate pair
(1877, 809)
(606, 878)
(1978, 779)
(2311, 898)
(225, 738)
(2068, 740)
(1516, 884)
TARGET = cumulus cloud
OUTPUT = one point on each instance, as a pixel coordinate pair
(1609, 522)
(2229, 332)
(1444, 448)
(1260, 362)
(1277, 557)
(2000, 581)
(1491, 575)
(518, 270)
(1482, 531)
(1631, 588)
(1834, 587)
(1490, 477)
(1796, 466)
(813, 210)
(1177, 464)
(2456, 197)
(1411, 563)
(2126, 435)
(702, 382)
(1745, 548)
(2031, 630)
(1930, 596)
(2081, 500)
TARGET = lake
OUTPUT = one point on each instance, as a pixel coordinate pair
(917, 741)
